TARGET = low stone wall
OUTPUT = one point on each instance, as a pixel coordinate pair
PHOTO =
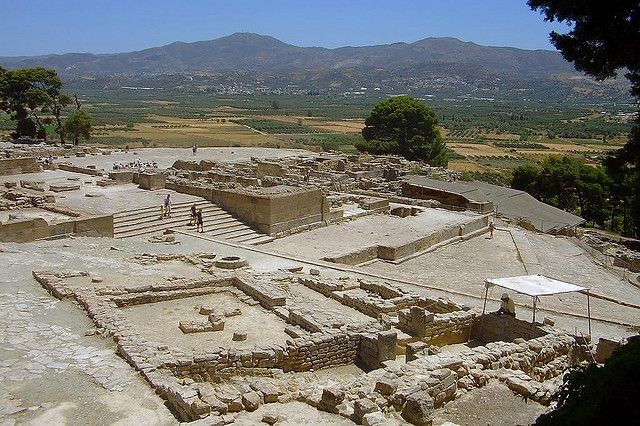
(493, 327)
(394, 253)
(37, 228)
(267, 295)
(17, 166)
(77, 169)
(437, 329)
(355, 257)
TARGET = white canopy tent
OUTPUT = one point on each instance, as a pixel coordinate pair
(536, 286)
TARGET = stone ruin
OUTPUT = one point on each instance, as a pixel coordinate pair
(324, 323)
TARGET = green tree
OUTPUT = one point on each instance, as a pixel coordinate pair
(29, 93)
(403, 125)
(525, 178)
(604, 37)
(566, 183)
(78, 124)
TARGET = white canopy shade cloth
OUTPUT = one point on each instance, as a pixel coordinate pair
(536, 286)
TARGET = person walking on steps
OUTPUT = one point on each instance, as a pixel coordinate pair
(199, 221)
(167, 206)
(193, 219)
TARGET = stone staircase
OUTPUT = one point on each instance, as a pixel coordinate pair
(217, 223)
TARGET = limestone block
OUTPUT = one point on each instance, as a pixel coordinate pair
(386, 386)
(60, 187)
(233, 312)
(239, 337)
(418, 410)
(413, 349)
(363, 406)
(215, 404)
(206, 310)
(251, 401)
(270, 418)
(331, 398)
(375, 418)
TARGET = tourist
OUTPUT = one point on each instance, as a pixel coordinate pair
(492, 226)
(194, 148)
(167, 206)
(507, 307)
(194, 216)
(161, 211)
(199, 222)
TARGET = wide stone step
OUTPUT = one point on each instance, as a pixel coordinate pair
(240, 233)
(217, 223)
(139, 210)
(259, 239)
(213, 213)
(155, 211)
(162, 224)
(229, 229)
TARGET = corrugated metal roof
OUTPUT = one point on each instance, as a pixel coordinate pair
(511, 203)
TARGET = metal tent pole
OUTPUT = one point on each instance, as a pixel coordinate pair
(486, 292)
(534, 310)
(589, 312)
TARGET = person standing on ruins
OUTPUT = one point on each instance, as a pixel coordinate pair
(167, 206)
(199, 222)
(492, 226)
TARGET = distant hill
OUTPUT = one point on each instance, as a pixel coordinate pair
(253, 59)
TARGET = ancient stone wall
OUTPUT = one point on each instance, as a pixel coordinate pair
(493, 327)
(77, 169)
(271, 213)
(16, 166)
(37, 228)
(437, 329)
(150, 181)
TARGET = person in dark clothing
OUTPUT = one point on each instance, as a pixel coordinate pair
(199, 221)
(194, 216)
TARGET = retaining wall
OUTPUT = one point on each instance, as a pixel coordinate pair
(37, 228)
(16, 166)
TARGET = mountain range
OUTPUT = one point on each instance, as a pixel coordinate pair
(248, 59)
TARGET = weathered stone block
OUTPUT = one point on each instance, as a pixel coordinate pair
(386, 386)
(418, 409)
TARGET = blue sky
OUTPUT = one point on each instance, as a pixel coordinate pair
(33, 27)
